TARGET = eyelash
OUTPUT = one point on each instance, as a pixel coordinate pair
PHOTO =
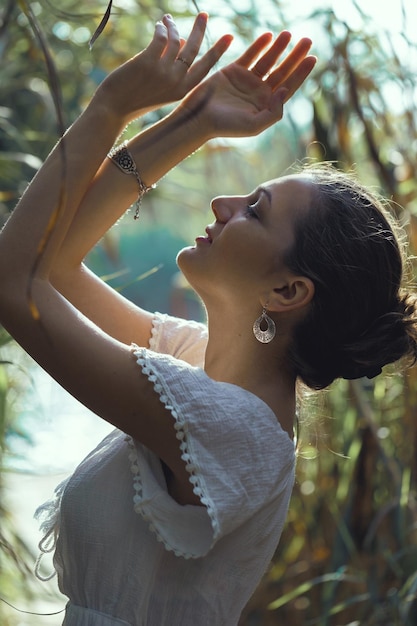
(250, 212)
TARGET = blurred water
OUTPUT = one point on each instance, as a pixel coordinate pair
(60, 430)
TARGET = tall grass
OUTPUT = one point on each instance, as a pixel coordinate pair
(349, 552)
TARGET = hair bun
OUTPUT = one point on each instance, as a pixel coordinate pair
(395, 334)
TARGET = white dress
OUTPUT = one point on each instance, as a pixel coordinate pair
(126, 552)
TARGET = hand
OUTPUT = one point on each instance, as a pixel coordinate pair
(164, 72)
(247, 96)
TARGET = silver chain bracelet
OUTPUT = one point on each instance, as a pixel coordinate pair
(124, 160)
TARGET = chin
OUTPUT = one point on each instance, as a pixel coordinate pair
(187, 266)
(183, 257)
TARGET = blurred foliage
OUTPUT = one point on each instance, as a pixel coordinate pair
(348, 553)
(15, 554)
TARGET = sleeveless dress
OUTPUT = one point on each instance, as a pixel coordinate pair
(125, 552)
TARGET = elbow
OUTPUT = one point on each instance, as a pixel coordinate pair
(65, 279)
(18, 283)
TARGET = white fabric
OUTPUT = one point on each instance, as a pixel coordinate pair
(126, 552)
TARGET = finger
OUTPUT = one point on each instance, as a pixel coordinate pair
(254, 50)
(290, 63)
(174, 41)
(159, 39)
(202, 67)
(268, 60)
(191, 47)
(298, 76)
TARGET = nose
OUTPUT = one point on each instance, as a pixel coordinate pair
(223, 208)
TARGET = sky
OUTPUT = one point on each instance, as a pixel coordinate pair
(395, 16)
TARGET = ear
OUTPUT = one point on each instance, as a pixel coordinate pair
(295, 293)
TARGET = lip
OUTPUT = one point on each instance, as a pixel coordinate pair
(208, 239)
(201, 239)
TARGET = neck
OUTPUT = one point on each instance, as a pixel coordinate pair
(234, 356)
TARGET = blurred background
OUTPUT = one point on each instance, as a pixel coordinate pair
(348, 555)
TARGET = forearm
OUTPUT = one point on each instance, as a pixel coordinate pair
(152, 78)
(41, 219)
(232, 102)
(156, 151)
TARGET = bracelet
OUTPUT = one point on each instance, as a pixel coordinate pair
(125, 162)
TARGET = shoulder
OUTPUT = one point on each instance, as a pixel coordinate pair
(222, 412)
(183, 339)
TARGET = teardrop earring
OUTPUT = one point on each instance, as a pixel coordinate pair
(267, 334)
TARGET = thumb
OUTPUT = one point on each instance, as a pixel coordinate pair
(277, 101)
(281, 95)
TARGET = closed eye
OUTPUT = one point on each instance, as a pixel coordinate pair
(250, 211)
(254, 207)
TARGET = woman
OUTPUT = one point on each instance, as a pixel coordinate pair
(175, 516)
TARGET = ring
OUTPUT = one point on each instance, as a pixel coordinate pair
(183, 61)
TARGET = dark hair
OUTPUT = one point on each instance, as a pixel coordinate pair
(359, 319)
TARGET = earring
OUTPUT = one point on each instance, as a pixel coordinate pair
(267, 335)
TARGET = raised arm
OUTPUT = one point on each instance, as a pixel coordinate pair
(41, 220)
(232, 102)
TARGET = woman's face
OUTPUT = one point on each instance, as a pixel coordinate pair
(244, 247)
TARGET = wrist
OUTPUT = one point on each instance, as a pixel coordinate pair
(162, 146)
(195, 120)
(103, 106)
(188, 129)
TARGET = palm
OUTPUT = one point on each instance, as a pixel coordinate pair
(238, 97)
(247, 96)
